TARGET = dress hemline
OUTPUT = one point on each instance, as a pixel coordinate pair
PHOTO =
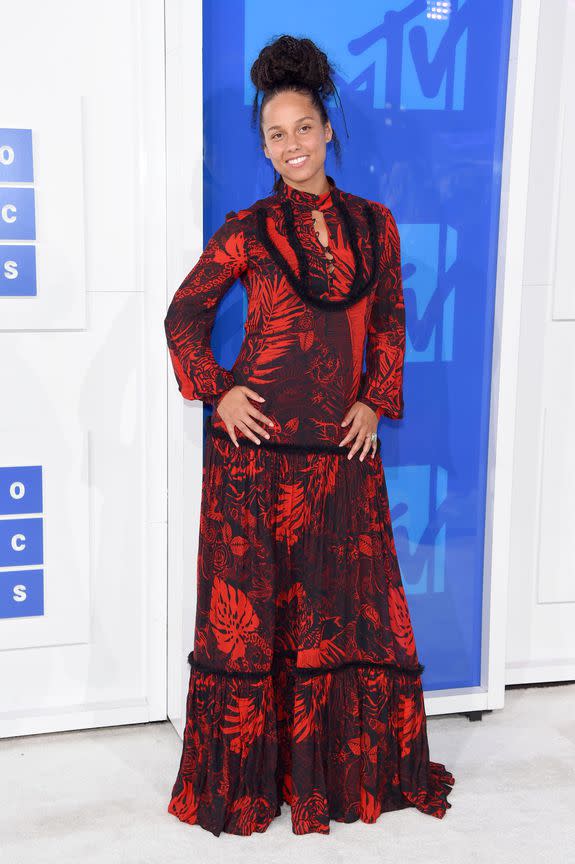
(288, 741)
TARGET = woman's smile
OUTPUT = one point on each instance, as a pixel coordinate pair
(297, 160)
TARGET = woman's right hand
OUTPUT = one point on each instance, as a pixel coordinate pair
(235, 409)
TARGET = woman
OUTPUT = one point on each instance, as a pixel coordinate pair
(305, 684)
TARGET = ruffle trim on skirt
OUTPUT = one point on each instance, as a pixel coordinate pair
(345, 744)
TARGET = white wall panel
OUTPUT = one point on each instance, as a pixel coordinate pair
(84, 366)
(541, 619)
(564, 210)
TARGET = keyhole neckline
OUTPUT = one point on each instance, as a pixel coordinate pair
(363, 278)
(325, 246)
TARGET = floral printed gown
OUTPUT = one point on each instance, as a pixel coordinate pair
(305, 684)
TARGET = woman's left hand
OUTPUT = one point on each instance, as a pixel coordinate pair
(363, 423)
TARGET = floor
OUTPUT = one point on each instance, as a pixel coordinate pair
(101, 795)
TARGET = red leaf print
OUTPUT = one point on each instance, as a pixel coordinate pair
(231, 250)
(371, 614)
(365, 545)
(291, 426)
(327, 654)
(290, 512)
(185, 805)
(370, 807)
(244, 722)
(233, 617)
(306, 340)
(308, 705)
(399, 618)
(408, 720)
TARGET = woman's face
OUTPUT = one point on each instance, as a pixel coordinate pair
(293, 129)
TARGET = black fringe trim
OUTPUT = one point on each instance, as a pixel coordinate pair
(292, 448)
(358, 287)
(306, 671)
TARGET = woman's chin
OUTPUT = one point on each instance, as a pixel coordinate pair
(302, 173)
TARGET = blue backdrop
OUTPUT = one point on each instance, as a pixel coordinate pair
(423, 89)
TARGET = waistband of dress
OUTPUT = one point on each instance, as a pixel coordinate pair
(287, 446)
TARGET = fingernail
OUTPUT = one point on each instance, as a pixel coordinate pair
(271, 424)
(267, 436)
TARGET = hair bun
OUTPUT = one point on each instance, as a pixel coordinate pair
(288, 60)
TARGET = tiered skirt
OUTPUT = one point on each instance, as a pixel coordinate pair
(305, 684)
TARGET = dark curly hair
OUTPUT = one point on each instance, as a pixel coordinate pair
(288, 63)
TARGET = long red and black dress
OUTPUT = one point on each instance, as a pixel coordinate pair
(305, 684)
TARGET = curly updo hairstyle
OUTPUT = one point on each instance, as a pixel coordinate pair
(288, 63)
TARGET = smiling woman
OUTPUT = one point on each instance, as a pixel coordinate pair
(305, 683)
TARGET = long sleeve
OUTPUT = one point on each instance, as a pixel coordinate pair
(191, 313)
(381, 385)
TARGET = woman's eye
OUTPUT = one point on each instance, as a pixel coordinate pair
(277, 134)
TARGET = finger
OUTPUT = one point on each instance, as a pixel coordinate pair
(350, 415)
(374, 448)
(256, 426)
(232, 433)
(366, 447)
(245, 428)
(253, 394)
(356, 446)
(353, 430)
(253, 411)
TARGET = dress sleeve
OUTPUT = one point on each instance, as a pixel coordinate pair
(190, 316)
(381, 385)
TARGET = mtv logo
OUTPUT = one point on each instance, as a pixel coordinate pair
(428, 252)
(399, 54)
(419, 520)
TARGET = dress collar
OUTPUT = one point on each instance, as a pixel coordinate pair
(307, 200)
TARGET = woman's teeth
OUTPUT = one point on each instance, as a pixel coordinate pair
(299, 160)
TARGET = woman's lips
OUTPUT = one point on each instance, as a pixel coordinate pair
(297, 164)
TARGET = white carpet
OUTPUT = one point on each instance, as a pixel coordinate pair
(101, 796)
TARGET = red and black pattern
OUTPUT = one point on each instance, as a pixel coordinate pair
(304, 344)
(305, 684)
